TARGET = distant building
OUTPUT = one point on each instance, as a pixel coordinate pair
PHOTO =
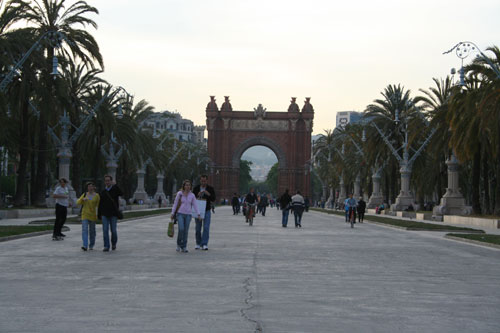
(346, 117)
(181, 129)
(199, 134)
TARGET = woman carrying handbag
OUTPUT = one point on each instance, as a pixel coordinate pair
(183, 213)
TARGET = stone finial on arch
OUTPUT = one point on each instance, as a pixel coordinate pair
(212, 105)
(307, 105)
(226, 106)
(293, 105)
(259, 141)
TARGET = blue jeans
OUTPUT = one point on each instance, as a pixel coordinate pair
(284, 220)
(86, 225)
(202, 239)
(298, 217)
(108, 221)
(183, 221)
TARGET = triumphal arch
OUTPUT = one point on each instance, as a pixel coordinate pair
(286, 133)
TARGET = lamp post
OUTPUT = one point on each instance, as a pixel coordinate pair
(463, 50)
(55, 38)
(405, 197)
(453, 202)
(111, 155)
(65, 142)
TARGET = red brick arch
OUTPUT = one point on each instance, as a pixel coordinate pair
(287, 134)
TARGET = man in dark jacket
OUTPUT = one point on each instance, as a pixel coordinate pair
(207, 193)
(108, 210)
(263, 204)
(361, 209)
(285, 200)
(235, 202)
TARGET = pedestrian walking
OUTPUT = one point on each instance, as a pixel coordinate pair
(203, 191)
(284, 202)
(61, 194)
(298, 206)
(346, 208)
(235, 202)
(263, 203)
(108, 211)
(89, 202)
(361, 209)
(184, 214)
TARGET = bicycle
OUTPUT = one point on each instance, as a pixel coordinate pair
(352, 216)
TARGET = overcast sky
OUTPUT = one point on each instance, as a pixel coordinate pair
(342, 54)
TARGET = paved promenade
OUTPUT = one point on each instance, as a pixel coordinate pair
(325, 277)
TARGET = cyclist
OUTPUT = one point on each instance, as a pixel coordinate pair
(251, 200)
(351, 204)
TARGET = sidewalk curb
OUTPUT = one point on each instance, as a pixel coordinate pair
(65, 228)
(471, 241)
(30, 234)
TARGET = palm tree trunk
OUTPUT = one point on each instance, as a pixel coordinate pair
(439, 187)
(486, 185)
(497, 183)
(24, 156)
(476, 183)
(41, 169)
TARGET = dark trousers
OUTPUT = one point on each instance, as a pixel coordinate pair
(61, 213)
(361, 216)
(263, 210)
(298, 217)
(236, 210)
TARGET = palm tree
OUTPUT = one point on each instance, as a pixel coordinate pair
(78, 83)
(52, 15)
(488, 111)
(383, 113)
(467, 139)
(435, 103)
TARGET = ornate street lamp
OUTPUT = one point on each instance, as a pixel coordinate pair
(55, 38)
(463, 50)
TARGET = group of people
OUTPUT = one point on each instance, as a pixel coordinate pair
(261, 203)
(184, 204)
(295, 203)
(94, 206)
(352, 206)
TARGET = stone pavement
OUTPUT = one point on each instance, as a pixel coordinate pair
(325, 277)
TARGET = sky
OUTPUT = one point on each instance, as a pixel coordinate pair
(342, 54)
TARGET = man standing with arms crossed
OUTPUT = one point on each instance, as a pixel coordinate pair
(207, 193)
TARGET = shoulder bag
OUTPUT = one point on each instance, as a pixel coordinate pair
(171, 230)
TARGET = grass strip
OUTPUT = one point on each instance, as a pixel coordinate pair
(408, 225)
(13, 230)
(127, 215)
(489, 239)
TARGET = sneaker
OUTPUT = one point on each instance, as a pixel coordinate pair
(62, 235)
(197, 247)
(178, 249)
(300, 225)
(113, 248)
(84, 248)
(184, 250)
(205, 247)
(105, 249)
(91, 249)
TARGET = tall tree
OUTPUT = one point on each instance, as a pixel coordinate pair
(52, 16)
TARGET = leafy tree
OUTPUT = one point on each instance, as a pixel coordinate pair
(52, 15)
(272, 179)
(245, 177)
